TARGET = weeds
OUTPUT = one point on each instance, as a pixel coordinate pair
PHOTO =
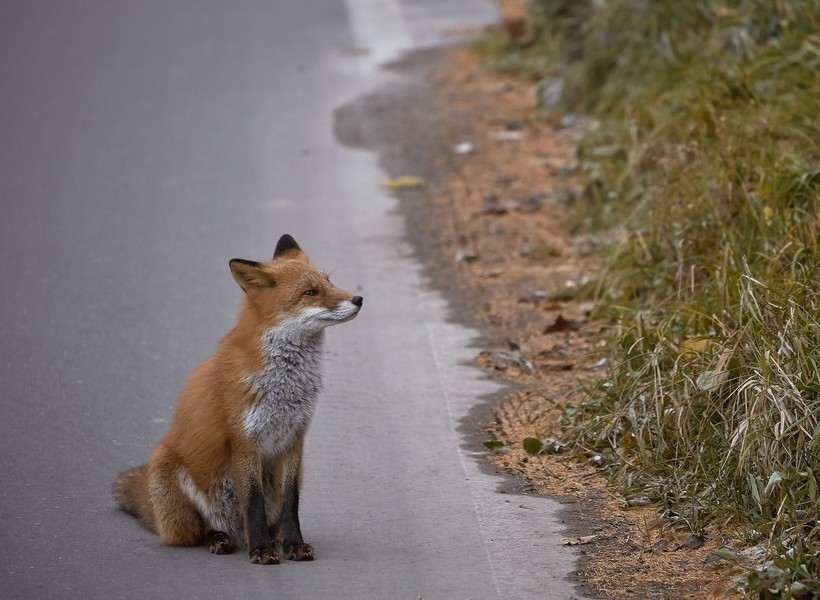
(708, 153)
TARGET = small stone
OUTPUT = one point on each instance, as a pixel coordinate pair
(466, 255)
(693, 543)
(552, 446)
(496, 206)
(568, 168)
(517, 360)
(513, 124)
(550, 91)
(532, 203)
(568, 121)
(464, 148)
(578, 541)
(753, 556)
(640, 501)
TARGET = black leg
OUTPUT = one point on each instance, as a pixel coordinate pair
(294, 546)
(260, 548)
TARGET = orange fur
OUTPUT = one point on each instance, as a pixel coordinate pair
(220, 431)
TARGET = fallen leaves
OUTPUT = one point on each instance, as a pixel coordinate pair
(562, 324)
(535, 446)
(405, 182)
(526, 278)
(578, 541)
(501, 361)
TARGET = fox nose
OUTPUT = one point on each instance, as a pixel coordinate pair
(357, 300)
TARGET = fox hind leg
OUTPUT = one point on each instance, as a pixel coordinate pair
(177, 519)
(219, 542)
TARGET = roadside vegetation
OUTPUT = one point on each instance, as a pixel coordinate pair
(701, 156)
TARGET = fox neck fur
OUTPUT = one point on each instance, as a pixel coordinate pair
(286, 388)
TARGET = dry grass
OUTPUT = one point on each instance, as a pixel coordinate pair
(527, 271)
(705, 149)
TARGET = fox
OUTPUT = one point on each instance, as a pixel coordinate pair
(229, 469)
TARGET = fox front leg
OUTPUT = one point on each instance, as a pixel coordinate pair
(289, 529)
(261, 550)
(293, 544)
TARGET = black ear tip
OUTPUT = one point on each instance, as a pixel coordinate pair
(286, 242)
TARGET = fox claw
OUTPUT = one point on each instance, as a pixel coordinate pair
(220, 543)
(301, 552)
(263, 556)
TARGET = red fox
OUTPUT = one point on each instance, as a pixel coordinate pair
(230, 467)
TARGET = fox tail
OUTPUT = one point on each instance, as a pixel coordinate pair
(131, 493)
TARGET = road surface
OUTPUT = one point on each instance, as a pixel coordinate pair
(143, 145)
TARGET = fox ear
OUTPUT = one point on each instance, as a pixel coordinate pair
(249, 274)
(287, 246)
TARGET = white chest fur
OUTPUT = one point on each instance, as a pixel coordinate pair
(286, 389)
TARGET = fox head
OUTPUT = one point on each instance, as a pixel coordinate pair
(288, 288)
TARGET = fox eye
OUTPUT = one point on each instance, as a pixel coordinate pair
(312, 292)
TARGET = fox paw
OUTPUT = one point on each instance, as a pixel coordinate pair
(263, 556)
(300, 552)
(220, 542)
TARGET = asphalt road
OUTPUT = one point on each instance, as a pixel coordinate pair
(143, 145)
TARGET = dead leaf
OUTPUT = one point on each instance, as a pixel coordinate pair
(466, 255)
(693, 543)
(640, 501)
(694, 345)
(501, 361)
(578, 541)
(562, 324)
(405, 182)
(496, 206)
(507, 136)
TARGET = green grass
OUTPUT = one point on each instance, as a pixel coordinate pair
(708, 153)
